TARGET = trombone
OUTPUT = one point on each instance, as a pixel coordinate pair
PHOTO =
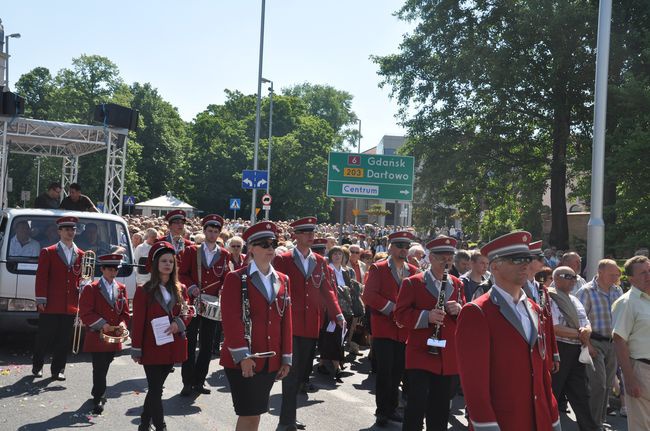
(87, 274)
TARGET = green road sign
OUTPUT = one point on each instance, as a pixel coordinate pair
(370, 176)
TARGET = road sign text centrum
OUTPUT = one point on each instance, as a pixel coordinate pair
(371, 176)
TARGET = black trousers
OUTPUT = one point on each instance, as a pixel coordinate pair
(302, 360)
(572, 381)
(428, 396)
(54, 334)
(389, 355)
(153, 408)
(195, 369)
(101, 362)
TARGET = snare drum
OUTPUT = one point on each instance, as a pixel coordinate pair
(209, 307)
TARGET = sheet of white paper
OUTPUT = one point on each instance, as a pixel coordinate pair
(343, 333)
(159, 326)
(331, 326)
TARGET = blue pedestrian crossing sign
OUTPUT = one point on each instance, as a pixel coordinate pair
(254, 179)
(129, 200)
(235, 204)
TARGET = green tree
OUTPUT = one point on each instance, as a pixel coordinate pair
(165, 142)
(495, 97)
(331, 105)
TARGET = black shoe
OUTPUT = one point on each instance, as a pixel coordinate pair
(300, 425)
(202, 390)
(145, 425)
(37, 372)
(396, 417)
(186, 391)
(308, 387)
(322, 369)
(59, 376)
(381, 421)
(98, 407)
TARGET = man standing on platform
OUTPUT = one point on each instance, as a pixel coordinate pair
(429, 370)
(311, 293)
(505, 379)
(383, 281)
(57, 297)
(204, 268)
(75, 201)
(632, 342)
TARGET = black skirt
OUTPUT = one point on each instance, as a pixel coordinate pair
(329, 343)
(250, 395)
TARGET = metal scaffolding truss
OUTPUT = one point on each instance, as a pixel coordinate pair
(69, 142)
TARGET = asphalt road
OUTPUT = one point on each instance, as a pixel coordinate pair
(43, 404)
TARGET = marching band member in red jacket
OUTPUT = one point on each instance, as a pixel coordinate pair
(164, 299)
(429, 372)
(539, 293)
(311, 293)
(176, 223)
(203, 268)
(501, 357)
(57, 297)
(103, 307)
(256, 320)
(383, 281)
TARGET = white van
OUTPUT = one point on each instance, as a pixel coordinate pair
(102, 233)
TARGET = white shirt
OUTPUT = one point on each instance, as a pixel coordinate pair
(142, 251)
(558, 318)
(340, 281)
(31, 249)
(68, 252)
(209, 254)
(110, 287)
(519, 307)
(167, 297)
(266, 279)
(304, 260)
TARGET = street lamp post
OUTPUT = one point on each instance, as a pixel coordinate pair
(257, 110)
(268, 158)
(17, 36)
(356, 201)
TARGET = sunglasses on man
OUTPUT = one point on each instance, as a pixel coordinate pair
(402, 245)
(568, 276)
(265, 244)
(519, 260)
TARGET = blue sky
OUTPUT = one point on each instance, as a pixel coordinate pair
(192, 50)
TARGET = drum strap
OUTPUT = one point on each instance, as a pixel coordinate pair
(199, 256)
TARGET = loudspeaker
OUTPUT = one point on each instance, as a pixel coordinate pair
(12, 104)
(116, 115)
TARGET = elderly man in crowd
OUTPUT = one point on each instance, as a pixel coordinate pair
(356, 264)
(142, 252)
(574, 261)
(572, 331)
(415, 255)
(632, 342)
(597, 297)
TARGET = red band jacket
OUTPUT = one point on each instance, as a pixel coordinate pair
(380, 295)
(311, 292)
(505, 379)
(57, 280)
(146, 307)
(212, 273)
(97, 309)
(270, 320)
(544, 302)
(417, 296)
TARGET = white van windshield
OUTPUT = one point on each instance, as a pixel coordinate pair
(28, 234)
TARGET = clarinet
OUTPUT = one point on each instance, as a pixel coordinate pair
(434, 342)
(246, 311)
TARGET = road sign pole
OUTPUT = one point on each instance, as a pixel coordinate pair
(356, 201)
(234, 216)
(341, 218)
(257, 110)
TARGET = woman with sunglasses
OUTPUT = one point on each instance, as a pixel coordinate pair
(163, 296)
(235, 246)
(256, 313)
